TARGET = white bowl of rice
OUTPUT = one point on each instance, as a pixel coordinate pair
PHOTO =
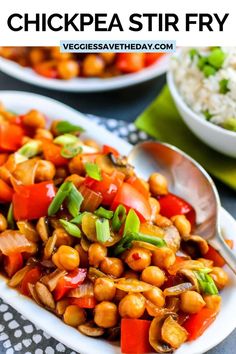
(202, 82)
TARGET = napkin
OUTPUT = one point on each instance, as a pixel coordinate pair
(162, 121)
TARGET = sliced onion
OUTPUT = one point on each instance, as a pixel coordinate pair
(188, 264)
(25, 171)
(27, 229)
(95, 273)
(92, 200)
(85, 289)
(12, 241)
(146, 245)
(178, 289)
(51, 280)
(133, 285)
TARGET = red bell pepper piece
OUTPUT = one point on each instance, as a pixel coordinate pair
(108, 186)
(52, 153)
(130, 62)
(11, 136)
(135, 336)
(151, 58)
(32, 202)
(130, 198)
(214, 256)
(85, 302)
(197, 323)
(6, 192)
(13, 263)
(172, 205)
(69, 281)
(137, 184)
(31, 277)
(47, 69)
(106, 149)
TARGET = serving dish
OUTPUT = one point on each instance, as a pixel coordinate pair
(85, 84)
(224, 324)
(221, 140)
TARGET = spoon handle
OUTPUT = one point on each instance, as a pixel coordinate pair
(229, 256)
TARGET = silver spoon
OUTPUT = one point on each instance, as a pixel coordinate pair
(190, 181)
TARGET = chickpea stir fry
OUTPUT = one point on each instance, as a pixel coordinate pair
(107, 252)
(49, 62)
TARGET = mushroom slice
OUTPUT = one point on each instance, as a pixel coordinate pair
(172, 237)
(42, 229)
(189, 274)
(51, 280)
(155, 336)
(172, 333)
(178, 289)
(27, 229)
(44, 295)
(34, 294)
(90, 330)
(18, 276)
(195, 246)
(49, 247)
(133, 285)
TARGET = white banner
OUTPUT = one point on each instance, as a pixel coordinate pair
(47, 22)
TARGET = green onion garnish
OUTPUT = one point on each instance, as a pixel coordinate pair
(65, 139)
(224, 86)
(93, 171)
(74, 201)
(72, 229)
(118, 218)
(69, 151)
(59, 198)
(206, 283)
(64, 127)
(104, 213)
(103, 230)
(132, 223)
(30, 149)
(192, 53)
(126, 241)
(10, 217)
(78, 218)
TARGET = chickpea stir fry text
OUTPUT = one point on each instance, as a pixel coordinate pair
(107, 252)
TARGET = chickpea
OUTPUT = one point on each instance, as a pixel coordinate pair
(108, 57)
(83, 256)
(66, 258)
(155, 208)
(112, 266)
(182, 224)
(132, 306)
(97, 254)
(53, 127)
(93, 65)
(191, 302)
(45, 171)
(212, 301)
(162, 221)
(220, 277)
(138, 258)
(43, 134)
(68, 69)
(163, 257)
(76, 165)
(156, 296)
(36, 55)
(131, 274)
(3, 223)
(34, 119)
(61, 306)
(61, 172)
(158, 184)
(106, 314)
(76, 179)
(57, 54)
(74, 316)
(104, 289)
(63, 238)
(153, 275)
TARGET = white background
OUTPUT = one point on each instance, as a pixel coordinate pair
(124, 8)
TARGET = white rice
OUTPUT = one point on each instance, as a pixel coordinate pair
(202, 93)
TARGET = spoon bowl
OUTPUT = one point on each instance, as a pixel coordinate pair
(187, 179)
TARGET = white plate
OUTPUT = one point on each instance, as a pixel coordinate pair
(85, 84)
(220, 329)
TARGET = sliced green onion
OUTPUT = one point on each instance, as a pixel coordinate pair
(65, 139)
(32, 148)
(207, 115)
(206, 283)
(216, 58)
(64, 127)
(192, 53)
(118, 218)
(10, 217)
(69, 151)
(74, 201)
(78, 218)
(132, 223)
(93, 171)
(104, 213)
(102, 230)
(208, 70)
(59, 198)
(224, 86)
(72, 229)
(126, 241)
